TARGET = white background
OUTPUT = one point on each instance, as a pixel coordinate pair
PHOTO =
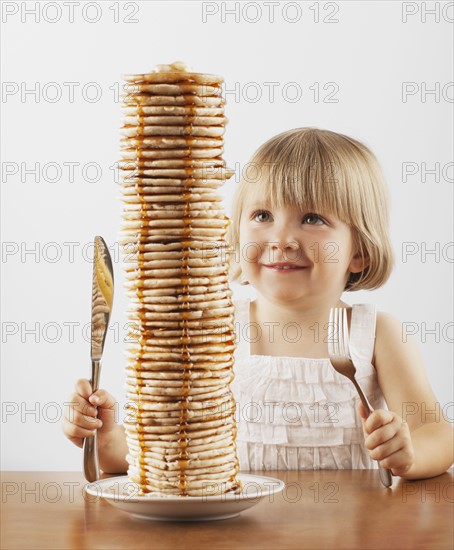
(367, 56)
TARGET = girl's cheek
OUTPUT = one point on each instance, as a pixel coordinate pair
(250, 252)
(332, 253)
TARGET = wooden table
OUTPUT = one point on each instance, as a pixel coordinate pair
(318, 509)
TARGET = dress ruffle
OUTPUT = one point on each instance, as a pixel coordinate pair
(295, 413)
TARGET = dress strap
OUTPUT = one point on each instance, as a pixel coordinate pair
(362, 333)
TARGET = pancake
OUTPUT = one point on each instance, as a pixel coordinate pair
(179, 88)
(183, 130)
(171, 110)
(176, 72)
(173, 120)
(135, 99)
(180, 418)
(171, 142)
(135, 154)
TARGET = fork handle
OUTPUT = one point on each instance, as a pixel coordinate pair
(366, 404)
(385, 473)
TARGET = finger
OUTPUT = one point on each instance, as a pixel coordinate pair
(362, 412)
(76, 433)
(378, 418)
(103, 399)
(86, 422)
(381, 435)
(362, 415)
(83, 388)
(107, 407)
(385, 450)
(399, 462)
(78, 404)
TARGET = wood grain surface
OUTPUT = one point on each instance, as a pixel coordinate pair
(317, 509)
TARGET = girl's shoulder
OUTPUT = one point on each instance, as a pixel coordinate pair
(388, 326)
(390, 334)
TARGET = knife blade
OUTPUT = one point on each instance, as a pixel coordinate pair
(101, 308)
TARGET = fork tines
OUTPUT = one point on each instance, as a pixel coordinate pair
(338, 332)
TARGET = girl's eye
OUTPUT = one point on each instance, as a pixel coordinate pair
(313, 219)
(261, 216)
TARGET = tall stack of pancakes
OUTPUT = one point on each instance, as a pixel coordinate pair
(180, 425)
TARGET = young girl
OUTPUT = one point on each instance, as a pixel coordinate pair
(310, 224)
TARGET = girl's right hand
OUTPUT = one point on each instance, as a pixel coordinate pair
(87, 412)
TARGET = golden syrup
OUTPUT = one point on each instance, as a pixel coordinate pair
(185, 316)
(142, 238)
(183, 455)
(140, 126)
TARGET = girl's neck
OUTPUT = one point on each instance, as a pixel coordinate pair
(291, 330)
(265, 310)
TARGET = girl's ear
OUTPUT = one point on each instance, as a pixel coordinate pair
(358, 263)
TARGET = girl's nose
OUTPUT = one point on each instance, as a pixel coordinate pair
(285, 237)
(287, 250)
(284, 244)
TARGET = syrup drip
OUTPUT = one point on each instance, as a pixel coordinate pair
(185, 338)
(141, 314)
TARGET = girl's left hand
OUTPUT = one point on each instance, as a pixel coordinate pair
(388, 439)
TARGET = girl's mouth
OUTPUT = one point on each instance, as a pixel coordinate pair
(284, 267)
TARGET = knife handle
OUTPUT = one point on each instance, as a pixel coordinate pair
(91, 462)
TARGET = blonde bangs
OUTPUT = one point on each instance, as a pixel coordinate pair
(294, 173)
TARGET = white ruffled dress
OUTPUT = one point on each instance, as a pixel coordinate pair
(299, 414)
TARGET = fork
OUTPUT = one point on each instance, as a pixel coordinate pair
(339, 355)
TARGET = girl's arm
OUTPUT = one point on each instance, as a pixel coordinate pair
(413, 438)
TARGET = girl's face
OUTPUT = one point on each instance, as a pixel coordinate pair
(290, 255)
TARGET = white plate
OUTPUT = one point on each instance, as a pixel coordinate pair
(123, 494)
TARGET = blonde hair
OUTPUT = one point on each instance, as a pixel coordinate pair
(322, 171)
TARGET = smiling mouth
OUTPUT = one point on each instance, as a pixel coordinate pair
(284, 267)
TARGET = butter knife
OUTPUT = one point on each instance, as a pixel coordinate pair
(101, 307)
